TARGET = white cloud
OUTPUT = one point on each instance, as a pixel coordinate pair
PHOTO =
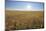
(24, 9)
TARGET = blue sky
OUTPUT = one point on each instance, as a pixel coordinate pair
(13, 5)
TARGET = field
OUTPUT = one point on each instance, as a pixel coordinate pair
(20, 20)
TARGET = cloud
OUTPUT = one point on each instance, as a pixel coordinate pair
(24, 9)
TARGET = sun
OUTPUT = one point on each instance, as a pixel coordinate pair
(29, 7)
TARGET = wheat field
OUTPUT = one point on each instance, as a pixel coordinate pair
(21, 20)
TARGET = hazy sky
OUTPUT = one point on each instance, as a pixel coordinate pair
(22, 5)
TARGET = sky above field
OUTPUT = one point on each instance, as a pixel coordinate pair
(23, 5)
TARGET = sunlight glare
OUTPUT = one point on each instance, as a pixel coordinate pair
(29, 7)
